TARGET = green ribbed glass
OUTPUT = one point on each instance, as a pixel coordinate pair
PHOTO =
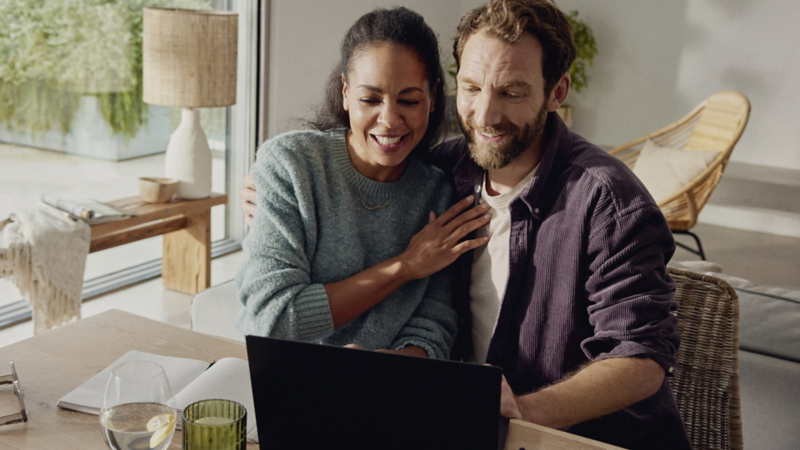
(214, 425)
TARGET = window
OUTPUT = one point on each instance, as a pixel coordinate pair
(73, 123)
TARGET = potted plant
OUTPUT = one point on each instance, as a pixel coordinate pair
(587, 49)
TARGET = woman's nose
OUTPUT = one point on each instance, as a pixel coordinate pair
(389, 116)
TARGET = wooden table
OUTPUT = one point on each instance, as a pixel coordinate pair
(52, 364)
(186, 226)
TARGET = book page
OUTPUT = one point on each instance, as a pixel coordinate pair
(88, 397)
(229, 379)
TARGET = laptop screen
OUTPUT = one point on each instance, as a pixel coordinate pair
(310, 396)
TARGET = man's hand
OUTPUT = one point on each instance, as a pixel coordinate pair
(509, 405)
(248, 195)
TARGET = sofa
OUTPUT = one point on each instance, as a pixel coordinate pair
(769, 356)
(769, 364)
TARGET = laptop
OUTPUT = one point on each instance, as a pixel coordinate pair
(311, 396)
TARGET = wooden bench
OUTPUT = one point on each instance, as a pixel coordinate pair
(186, 226)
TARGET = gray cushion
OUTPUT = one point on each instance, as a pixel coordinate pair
(769, 388)
(214, 311)
(769, 321)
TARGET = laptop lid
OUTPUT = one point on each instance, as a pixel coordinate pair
(310, 396)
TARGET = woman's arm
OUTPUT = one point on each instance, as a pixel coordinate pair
(435, 247)
(274, 281)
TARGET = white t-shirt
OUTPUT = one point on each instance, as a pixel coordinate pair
(490, 268)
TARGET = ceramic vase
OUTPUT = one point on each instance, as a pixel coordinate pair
(188, 157)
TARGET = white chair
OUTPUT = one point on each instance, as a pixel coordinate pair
(215, 309)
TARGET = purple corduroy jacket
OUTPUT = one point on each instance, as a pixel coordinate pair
(587, 281)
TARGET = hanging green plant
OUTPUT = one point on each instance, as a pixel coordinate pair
(587, 50)
(52, 52)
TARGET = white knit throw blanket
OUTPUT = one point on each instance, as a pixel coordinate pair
(45, 255)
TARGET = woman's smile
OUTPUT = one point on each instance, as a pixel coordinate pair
(389, 144)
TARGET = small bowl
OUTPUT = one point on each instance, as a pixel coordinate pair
(157, 190)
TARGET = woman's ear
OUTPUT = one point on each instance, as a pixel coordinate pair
(344, 92)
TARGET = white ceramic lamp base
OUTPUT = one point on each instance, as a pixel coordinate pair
(188, 157)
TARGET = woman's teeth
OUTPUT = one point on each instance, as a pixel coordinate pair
(387, 140)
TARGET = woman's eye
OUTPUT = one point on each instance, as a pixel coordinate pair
(409, 102)
(370, 101)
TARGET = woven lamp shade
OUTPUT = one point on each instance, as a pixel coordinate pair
(189, 57)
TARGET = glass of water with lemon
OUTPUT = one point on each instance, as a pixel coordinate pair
(138, 411)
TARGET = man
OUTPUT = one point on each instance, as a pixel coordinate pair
(570, 296)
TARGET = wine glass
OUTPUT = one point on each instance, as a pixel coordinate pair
(138, 411)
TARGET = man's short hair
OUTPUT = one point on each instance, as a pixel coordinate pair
(509, 19)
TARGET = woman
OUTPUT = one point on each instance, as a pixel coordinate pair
(332, 255)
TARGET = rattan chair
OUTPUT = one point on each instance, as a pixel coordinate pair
(714, 125)
(706, 384)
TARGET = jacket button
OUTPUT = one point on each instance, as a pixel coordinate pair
(536, 210)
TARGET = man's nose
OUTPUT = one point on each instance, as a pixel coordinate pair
(389, 116)
(487, 112)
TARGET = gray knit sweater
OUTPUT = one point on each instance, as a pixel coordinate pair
(311, 228)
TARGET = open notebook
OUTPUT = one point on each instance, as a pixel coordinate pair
(191, 380)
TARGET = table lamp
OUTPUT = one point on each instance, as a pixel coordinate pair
(189, 61)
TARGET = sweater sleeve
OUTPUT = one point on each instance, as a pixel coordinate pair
(274, 280)
(631, 293)
(434, 324)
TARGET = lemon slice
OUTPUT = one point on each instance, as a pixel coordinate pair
(162, 424)
(159, 421)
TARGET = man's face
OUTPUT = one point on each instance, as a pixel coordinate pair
(502, 107)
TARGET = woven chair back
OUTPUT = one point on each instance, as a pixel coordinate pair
(714, 125)
(706, 385)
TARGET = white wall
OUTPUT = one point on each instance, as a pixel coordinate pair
(658, 59)
(304, 47)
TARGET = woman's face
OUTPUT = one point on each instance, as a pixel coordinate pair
(388, 100)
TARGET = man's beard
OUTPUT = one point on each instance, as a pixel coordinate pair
(500, 154)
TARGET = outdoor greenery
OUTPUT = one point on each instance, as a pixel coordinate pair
(52, 52)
